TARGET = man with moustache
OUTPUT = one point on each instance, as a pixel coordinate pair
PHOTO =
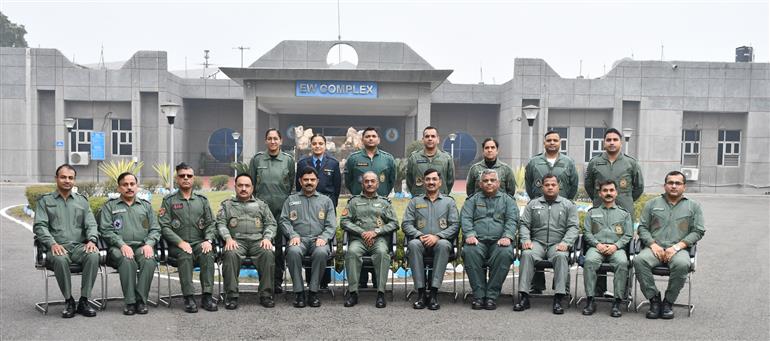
(429, 157)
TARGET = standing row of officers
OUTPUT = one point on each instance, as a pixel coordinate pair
(267, 214)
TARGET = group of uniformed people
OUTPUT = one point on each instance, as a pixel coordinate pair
(306, 223)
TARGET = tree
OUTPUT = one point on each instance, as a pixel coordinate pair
(11, 34)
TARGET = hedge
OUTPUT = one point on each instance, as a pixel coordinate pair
(33, 194)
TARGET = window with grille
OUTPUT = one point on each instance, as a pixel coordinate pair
(80, 135)
(122, 137)
(563, 135)
(690, 148)
(594, 142)
(729, 148)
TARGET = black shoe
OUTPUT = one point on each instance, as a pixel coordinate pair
(419, 303)
(277, 289)
(477, 303)
(557, 309)
(232, 303)
(189, 304)
(267, 301)
(380, 302)
(299, 300)
(208, 303)
(85, 308)
(324, 286)
(523, 302)
(141, 308)
(489, 304)
(313, 300)
(666, 312)
(69, 309)
(615, 312)
(590, 307)
(351, 299)
(433, 300)
(654, 311)
(129, 309)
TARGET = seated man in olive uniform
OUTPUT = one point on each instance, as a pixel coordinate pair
(247, 227)
(131, 229)
(369, 220)
(65, 225)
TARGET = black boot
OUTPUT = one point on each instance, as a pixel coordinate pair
(352, 299)
(267, 301)
(85, 308)
(557, 309)
(477, 303)
(232, 303)
(433, 303)
(666, 312)
(615, 311)
(208, 303)
(419, 303)
(380, 302)
(654, 307)
(490, 304)
(299, 300)
(313, 300)
(69, 309)
(590, 307)
(129, 309)
(141, 308)
(523, 302)
(189, 304)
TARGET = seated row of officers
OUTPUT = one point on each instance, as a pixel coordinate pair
(489, 219)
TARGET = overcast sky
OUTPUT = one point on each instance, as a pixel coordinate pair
(465, 36)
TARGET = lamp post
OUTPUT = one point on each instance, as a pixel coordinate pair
(170, 109)
(627, 132)
(69, 123)
(530, 112)
(236, 135)
(452, 137)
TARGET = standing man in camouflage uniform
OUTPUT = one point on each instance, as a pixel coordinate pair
(608, 229)
(369, 220)
(488, 220)
(430, 224)
(66, 227)
(429, 157)
(613, 165)
(670, 224)
(552, 161)
(247, 227)
(549, 227)
(188, 226)
(131, 229)
(308, 221)
(273, 174)
(507, 181)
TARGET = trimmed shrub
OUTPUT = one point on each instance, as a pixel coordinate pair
(219, 182)
(33, 193)
(96, 204)
(197, 184)
(89, 189)
(150, 185)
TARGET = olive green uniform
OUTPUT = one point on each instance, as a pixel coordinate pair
(667, 225)
(248, 222)
(70, 224)
(624, 171)
(368, 214)
(564, 169)
(273, 179)
(546, 224)
(504, 174)
(418, 163)
(488, 219)
(604, 225)
(382, 164)
(135, 226)
(191, 221)
(308, 218)
(439, 218)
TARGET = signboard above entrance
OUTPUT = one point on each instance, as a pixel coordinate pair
(344, 89)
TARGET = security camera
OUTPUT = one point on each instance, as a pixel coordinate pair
(674, 66)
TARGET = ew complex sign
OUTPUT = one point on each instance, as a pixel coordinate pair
(346, 89)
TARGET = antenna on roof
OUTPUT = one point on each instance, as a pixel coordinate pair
(580, 71)
(481, 74)
(241, 48)
(206, 65)
(101, 59)
(661, 51)
(339, 30)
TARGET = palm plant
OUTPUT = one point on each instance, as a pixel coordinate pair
(163, 170)
(112, 169)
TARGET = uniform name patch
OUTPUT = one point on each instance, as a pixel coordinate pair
(362, 164)
(421, 206)
(422, 161)
(120, 210)
(295, 203)
(177, 206)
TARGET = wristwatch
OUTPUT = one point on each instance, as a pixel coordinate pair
(377, 231)
(676, 247)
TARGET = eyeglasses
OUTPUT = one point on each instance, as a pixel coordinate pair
(671, 183)
(185, 176)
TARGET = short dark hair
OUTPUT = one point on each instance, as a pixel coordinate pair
(674, 173)
(551, 132)
(548, 176)
(182, 166)
(489, 139)
(67, 166)
(125, 174)
(607, 183)
(242, 175)
(612, 131)
(308, 170)
(318, 135)
(267, 132)
(431, 170)
(370, 129)
(429, 127)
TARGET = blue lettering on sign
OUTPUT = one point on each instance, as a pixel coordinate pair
(59, 143)
(346, 89)
(97, 145)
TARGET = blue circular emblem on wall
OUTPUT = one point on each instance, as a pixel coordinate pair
(222, 145)
(391, 135)
(465, 148)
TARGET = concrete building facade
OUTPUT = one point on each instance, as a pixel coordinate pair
(712, 118)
